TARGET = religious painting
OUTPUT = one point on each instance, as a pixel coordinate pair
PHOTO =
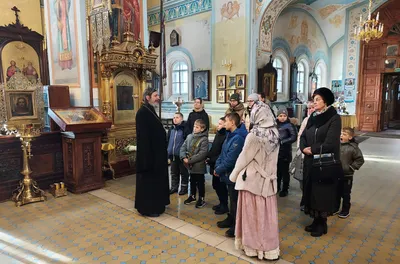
(392, 50)
(229, 93)
(221, 81)
(242, 94)
(124, 97)
(337, 88)
(230, 10)
(116, 20)
(20, 105)
(132, 17)
(201, 85)
(232, 81)
(240, 81)
(62, 36)
(221, 99)
(269, 86)
(174, 38)
(27, 61)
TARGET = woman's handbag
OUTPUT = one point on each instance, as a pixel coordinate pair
(296, 166)
(326, 168)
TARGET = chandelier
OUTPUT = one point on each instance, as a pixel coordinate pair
(370, 29)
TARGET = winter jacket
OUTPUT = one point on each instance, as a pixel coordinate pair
(230, 152)
(287, 135)
(322, 131)
(193, 116)
(239, 109)
(216, 148)
(351, 157)
(255, 170)
(176, 137)
(195, 148)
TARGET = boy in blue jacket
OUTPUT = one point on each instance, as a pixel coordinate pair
(176, 137)
(233, 145)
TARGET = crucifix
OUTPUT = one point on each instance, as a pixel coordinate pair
(16, 10)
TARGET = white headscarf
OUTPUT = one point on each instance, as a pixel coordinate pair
(264, 126)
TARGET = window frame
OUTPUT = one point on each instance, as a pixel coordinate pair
(172, 58)
(281, 54)
(180, 82)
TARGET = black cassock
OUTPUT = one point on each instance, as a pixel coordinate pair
(152, 183)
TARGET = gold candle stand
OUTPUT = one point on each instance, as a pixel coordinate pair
(28, 190)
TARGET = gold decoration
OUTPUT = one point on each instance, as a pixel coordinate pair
(28, 190)
(58, 189)
(19, 84)
(370, 29)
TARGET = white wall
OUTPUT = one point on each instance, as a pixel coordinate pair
(337, 62)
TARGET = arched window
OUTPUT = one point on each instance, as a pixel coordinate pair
(318, 72)
(321, 72)
(301, 77)
(278, 65)
(180, 78)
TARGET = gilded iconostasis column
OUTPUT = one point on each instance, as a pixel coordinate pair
(106, 93)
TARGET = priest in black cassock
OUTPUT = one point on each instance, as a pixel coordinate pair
(152, 182)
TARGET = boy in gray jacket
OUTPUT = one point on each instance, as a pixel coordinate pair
(352, 159)
(193, 154)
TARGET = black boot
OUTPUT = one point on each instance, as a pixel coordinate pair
(319, 229)
(310, 228)
(223, 209)
(228, 222)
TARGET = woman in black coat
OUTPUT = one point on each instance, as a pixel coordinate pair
(322, 134)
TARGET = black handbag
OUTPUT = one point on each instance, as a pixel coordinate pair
(326, 168)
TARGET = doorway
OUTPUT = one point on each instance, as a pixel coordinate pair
(391, 101)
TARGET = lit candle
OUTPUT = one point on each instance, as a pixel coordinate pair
(377, 17)
(355, 31)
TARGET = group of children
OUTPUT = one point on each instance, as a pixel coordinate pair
(189, 154)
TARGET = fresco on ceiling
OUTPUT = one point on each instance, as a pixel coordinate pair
(298, 29)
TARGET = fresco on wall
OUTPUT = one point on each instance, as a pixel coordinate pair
(230, 10)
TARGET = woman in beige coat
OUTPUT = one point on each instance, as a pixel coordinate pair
(257, 231)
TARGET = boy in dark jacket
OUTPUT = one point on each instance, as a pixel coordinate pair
(287, 135)
(212, 156)
(176, 137)
(193, 154)
(233, 145)
(352, 159)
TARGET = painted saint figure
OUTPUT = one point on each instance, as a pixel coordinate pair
(30, 73)
(201, 91)
(12, 69)
(131, 14)
(62, 8)
(21, 107)
(114, 21)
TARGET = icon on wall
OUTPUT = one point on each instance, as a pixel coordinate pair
(174, 38)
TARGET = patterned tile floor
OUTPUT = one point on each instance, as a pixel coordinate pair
(103, 227)
(87, 229)
(370, 235)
